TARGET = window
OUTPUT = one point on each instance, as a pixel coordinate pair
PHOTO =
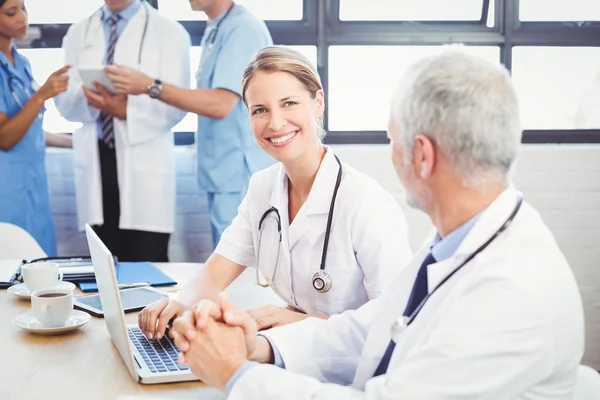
(559, 10)
(43, 63)
(491, 14)
(363, 78)
(190, 122)
(46, 61)
(559, 87)
(410, 10)
(263, 9)
(47, 12)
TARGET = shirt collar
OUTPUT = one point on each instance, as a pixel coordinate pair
(444, 248)
(217, 20)
(16, 57)
(319, 198)
(126, 14)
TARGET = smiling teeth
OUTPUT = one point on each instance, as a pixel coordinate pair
(283, 139)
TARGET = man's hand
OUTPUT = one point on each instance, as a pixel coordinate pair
(127, 80)
(271, 316)
(103, 100)
(186, 328)
(216, 353)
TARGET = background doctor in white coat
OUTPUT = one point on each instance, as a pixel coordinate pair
(507, 325)
(368, 243)
(123, 153)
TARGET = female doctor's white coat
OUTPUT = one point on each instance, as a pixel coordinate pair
(144, 142)
(367, 248)
(509, 325)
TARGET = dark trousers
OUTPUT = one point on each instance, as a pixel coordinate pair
(125, 244)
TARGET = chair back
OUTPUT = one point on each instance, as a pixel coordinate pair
(17, 243)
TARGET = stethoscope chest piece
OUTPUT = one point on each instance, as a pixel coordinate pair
(321, 281)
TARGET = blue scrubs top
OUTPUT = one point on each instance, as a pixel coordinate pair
(227, 151)
(24, 199)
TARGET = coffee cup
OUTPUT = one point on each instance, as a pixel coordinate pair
(41, 275)
(52, 307)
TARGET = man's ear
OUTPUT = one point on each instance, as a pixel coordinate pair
(425, 156)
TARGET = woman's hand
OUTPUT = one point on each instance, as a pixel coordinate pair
(153, 319)
(271, 316)
(56, 83)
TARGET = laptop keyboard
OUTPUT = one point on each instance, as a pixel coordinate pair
(159, 355)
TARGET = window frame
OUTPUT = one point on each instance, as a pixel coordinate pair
(322, 27)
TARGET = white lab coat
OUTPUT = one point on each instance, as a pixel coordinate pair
(368, 245)
(509, 325)
(143, 143)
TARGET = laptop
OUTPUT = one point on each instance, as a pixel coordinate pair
(148, 361)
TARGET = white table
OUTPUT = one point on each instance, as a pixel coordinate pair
(84, 363)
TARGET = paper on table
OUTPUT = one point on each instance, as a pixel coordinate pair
(8, 269)
(77, 270)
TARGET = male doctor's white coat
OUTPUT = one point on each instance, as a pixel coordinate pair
(509, 325)
(144, 142)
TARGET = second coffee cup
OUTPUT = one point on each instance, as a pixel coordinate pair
(41, 275)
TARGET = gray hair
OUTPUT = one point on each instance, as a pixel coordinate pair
(468, 107)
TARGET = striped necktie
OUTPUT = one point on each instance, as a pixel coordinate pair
(106, 121)
(418, 293)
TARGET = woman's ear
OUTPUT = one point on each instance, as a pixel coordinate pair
(320, 100)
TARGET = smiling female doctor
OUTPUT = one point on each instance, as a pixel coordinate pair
(23, 187)
(325, 237)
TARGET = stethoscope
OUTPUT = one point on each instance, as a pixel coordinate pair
(211, 38)
(321, 281)
(147, 19)
(403, 322)
(11, 87)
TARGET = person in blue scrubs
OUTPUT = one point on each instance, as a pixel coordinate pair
(228, 155)
(23, 186)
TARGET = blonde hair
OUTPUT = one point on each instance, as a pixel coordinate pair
(284, 59)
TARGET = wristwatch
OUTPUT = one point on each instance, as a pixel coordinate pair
(155, 89)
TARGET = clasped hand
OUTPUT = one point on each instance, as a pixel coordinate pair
(214, 340)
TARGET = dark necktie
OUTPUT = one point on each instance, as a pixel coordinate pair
(106, 121)
(418, 293)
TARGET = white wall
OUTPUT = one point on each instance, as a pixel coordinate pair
(561, 181)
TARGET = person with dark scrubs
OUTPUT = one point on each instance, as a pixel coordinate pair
(24, 199)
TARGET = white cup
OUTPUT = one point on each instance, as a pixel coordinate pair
(41, 275)
(52, 307)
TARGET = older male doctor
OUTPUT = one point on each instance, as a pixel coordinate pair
(124, 156)
(489, 308)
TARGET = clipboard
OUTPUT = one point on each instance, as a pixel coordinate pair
(133, 273)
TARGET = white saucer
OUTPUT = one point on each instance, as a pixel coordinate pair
(28, 322)
(21, 290)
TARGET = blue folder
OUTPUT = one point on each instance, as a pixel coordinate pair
(134, 272)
